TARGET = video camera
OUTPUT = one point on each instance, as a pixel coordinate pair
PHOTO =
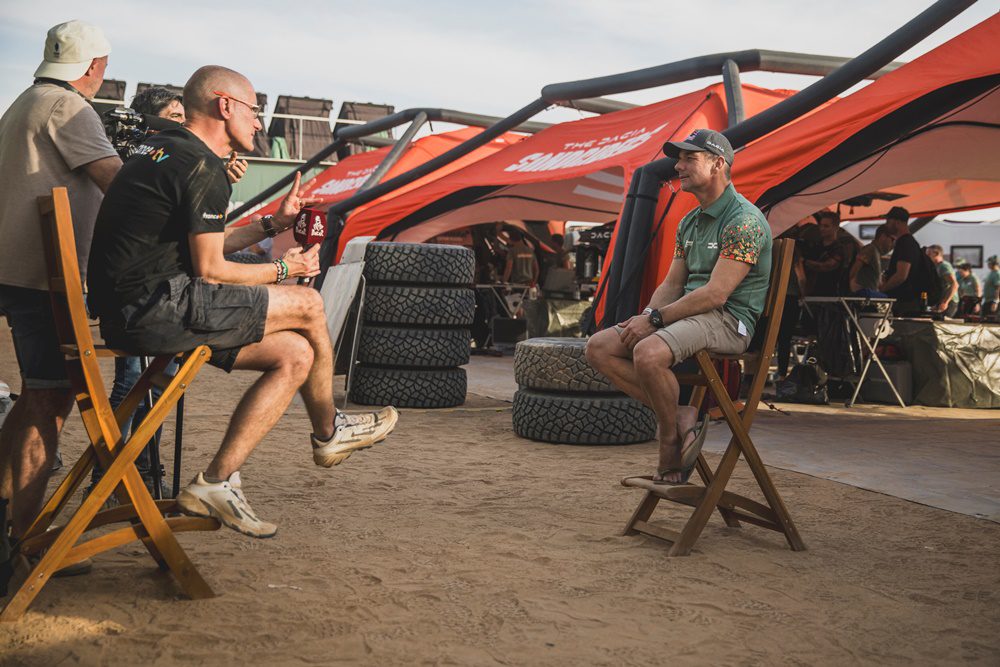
(127, 129)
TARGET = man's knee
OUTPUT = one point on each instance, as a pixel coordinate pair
(598, 347)
(296, 357)
(652, 355)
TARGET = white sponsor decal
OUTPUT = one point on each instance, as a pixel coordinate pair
(575, 154)
(352, 181)
(212, 216)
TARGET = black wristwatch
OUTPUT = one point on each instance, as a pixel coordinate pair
(655, 318)
(267, 224)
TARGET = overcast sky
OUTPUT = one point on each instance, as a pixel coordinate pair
(474, 56)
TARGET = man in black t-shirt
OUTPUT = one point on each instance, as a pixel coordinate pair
(902, 278)
(160, 283)
(825, 273)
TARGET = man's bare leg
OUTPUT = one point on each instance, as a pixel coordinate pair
(607, 354)
(300, 309)
(28, 443)
(653, 361)
(285, 359)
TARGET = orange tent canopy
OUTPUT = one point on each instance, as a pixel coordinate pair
(340, 181)
(571, 171)
(925, 137)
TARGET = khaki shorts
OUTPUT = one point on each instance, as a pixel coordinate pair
(716, 331)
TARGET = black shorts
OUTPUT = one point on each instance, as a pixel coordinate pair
(36, 345)
(185, 312)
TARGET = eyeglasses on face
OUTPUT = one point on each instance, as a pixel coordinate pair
(255, 109)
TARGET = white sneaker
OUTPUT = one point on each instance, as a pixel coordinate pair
(225, 501)
(387, 413)
(353, 432)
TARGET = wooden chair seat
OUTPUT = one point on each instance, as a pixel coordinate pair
(147, 520)
(712, 495)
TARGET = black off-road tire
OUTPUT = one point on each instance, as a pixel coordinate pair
(577, 419)
(557, 364)
(419, 264)
(414, 348)
(408, 388)
(414, 306)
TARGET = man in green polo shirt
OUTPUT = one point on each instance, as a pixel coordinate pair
(710, 300)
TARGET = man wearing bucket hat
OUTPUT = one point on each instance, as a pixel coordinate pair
(49, 137)
(710, 300)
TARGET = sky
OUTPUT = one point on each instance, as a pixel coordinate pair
(482, 57)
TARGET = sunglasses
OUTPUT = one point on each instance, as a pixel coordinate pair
(255, 109)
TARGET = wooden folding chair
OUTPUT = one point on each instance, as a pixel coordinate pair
(713, 495)
(147, 519)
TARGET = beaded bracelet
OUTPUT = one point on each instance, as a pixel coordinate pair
(282, 269)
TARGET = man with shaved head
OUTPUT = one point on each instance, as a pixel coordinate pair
(160, 283)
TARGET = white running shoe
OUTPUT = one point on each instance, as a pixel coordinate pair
(353, 432)
(225, 501)
(387, 413)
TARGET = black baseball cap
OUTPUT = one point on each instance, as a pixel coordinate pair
(702, 140)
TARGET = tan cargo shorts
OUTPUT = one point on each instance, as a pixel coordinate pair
(716, 331)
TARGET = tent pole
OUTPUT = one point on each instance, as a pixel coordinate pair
(734, 92)
(397, 151)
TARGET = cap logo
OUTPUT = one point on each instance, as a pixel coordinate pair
(56, 48)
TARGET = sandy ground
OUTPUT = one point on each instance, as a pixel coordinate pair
(455, 542)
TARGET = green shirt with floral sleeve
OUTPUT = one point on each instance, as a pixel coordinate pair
(730, 228)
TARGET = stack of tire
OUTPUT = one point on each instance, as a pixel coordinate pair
(562, 399)
(419, 305)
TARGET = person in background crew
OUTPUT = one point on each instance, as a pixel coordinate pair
(825, 273)
(866, 272)
(49, 137)
(902, 278)
(949, 282)
(522, 265)
(970, 292)
(991, 286)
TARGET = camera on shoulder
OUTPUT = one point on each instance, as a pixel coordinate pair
(126, 129)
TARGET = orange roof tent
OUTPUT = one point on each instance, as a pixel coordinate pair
(924, 136)
(334, 183)
(340, 181)
(571, 171)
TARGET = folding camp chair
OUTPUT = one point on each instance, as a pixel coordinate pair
(147, 519)
(713, 495)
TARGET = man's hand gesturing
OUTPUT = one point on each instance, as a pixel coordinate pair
(302, 264)
(635, 329)
(290, 206)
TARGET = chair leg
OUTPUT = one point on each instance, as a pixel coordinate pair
(709, 503)
(744, 444)
(641, 513)
(770, 492)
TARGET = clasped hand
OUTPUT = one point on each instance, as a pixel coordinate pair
(634, 329)
(302, 263)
